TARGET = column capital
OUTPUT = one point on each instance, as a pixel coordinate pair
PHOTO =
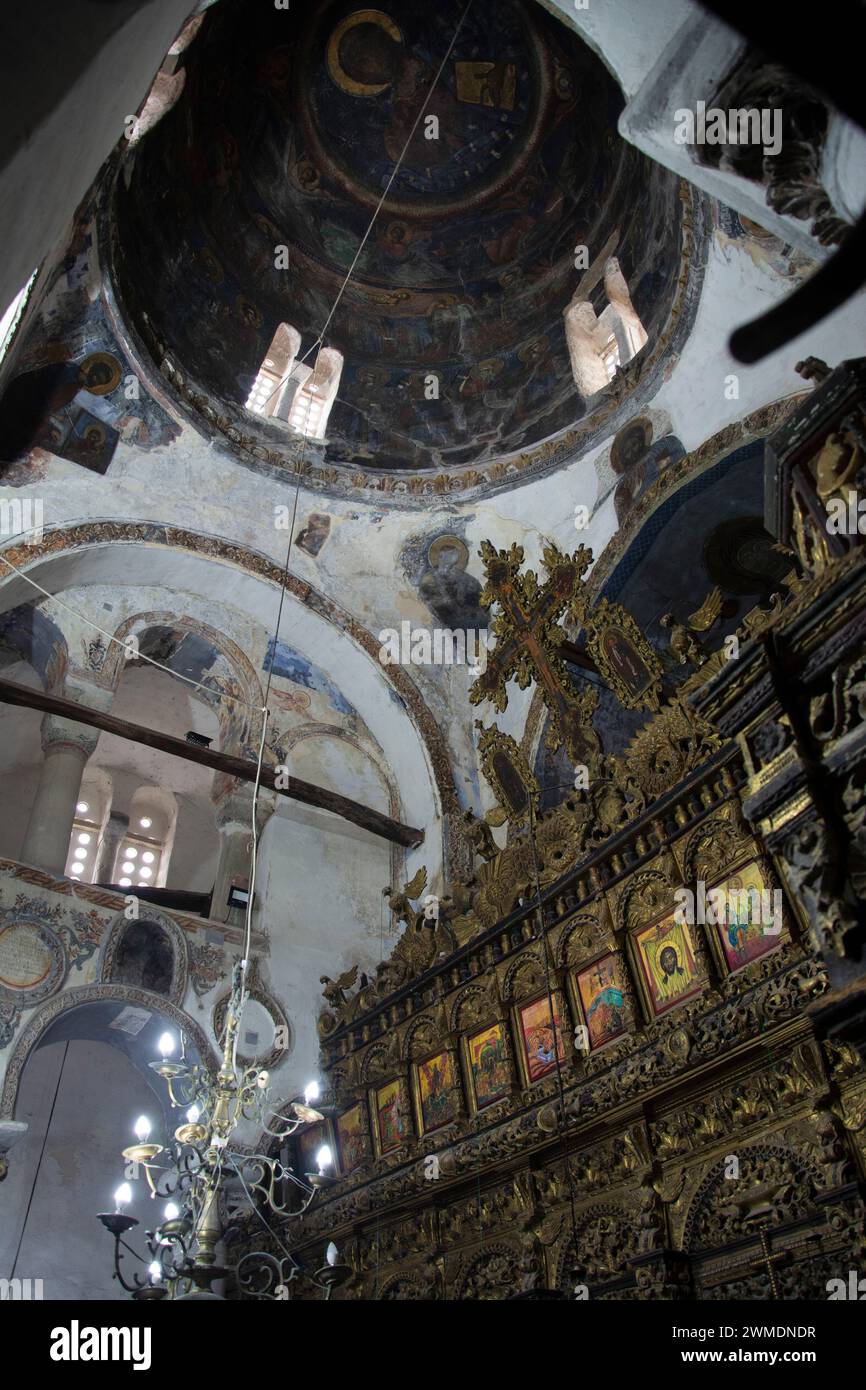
(60, 733)
(235, 811)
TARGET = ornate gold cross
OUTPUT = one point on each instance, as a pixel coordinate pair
(529, 640)
(528, 636)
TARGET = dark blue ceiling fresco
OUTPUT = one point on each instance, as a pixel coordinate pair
(289, 128)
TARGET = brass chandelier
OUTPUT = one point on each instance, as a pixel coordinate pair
(189, 1174)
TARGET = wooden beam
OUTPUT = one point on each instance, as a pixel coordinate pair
(305, 792)
(569, 651)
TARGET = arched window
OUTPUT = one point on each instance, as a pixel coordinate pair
(83, 845)
(91, 813)
(144, 957)
(315, 394)
(145, 850)
(277, 366)
(598, 345)
(293, 391)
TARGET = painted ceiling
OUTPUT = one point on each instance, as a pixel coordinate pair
(287, 134)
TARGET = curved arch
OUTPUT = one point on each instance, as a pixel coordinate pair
(114, 664)
(473, 1006)
(31, 635)
(395, 803)
(180, 956)
(803, 1182)
(371, 1067)
(253, 566)
(529, 965)
(424, 1027)
(582, 935)
(89, 994)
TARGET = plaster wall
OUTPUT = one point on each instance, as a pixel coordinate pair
(79, 1099)
(629, 38)
(322, 881)
(76, 70)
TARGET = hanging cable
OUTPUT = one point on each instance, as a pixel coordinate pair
(394, 172)
(318, 347)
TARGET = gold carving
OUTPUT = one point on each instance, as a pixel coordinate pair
(528, 636)
(508, 772)
(628, 663)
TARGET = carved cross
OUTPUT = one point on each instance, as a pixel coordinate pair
(528, 636)
(769, 1260)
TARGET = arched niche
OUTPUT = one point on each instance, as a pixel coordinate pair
(148, 952)
(79, 1077)
(165, 1011)
(239, 710)
(320, 753)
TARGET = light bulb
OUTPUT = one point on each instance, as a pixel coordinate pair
(155, 1270)
(148, 857)
(128, 866)
(142, 1129)
(332, 1254)
(82, 807)
(77, 869)
(145, 822)
(324, 1158)
(311, 1092)
(80, 854)
(130, 852)
(193, 1114)
(145, 873)
(172, 1211)
(125, 882)
(84, 839)
(166, 1044)
(123, 1195)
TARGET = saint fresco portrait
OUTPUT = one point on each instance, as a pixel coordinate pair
(391, 1116)
(489, 1072)
(437, 1091)
(351, 1135)
(639, 461)
(666, 958)
(538, 1028)
(448, 591)
(600, 991)
(748, 930)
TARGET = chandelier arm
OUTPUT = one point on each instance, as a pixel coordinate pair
(137, 1283)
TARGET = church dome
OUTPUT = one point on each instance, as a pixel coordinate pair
(451, 329)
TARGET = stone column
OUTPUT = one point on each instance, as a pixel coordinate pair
(234, 817)
(66, 746)
(115, 832)
(286, 399)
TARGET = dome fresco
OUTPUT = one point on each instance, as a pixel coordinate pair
(288, 133)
